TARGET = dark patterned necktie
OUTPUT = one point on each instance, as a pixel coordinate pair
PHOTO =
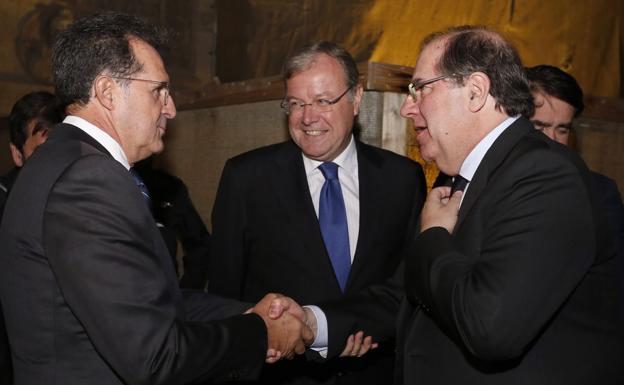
(142, 187)
(459, 184)
(333, 223)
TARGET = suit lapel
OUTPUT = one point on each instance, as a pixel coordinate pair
(493, 158)
(290, 184)
(370, 192)
(63, 131)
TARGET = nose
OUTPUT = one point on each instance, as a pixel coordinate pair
(409, 108)
(309, 115)
(549, 132)
(169, 109)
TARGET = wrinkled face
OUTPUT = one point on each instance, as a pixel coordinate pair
(553, 117)
(41, 131)
(438, 113)
(322, 135)
(142, 115)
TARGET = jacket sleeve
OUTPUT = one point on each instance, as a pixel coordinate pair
(114, 272)
(535, 242)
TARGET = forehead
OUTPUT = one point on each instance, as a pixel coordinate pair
(150, 59)
(426, 65)
(324, 73)
(552, 109)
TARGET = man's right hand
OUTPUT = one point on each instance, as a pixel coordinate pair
(288, 335)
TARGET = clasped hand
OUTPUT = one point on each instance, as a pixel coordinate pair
(298, 329)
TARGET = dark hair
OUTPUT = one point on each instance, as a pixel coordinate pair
(96, 44)
(42, 106)
(557, 83)
(472, 49)
(303, 58)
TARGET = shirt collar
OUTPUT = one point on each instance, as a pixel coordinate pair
(346, 160)
(101, 137)
(472, 161)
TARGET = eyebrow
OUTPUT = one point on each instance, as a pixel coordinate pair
(547, 124)
(539, 122)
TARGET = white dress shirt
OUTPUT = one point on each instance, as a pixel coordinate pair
(101, 137)
(474, 158)
(350, 186)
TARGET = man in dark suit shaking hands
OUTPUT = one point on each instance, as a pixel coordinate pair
(508, 282)
(319, 217)
(89, 290)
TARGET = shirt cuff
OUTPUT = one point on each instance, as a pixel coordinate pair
(320, 342)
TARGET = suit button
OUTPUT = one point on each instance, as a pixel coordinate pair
(340, 374)
(234, 375)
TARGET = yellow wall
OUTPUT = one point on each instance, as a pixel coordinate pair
(581, 37)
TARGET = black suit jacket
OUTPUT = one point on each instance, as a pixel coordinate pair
(266, 238)
(178, 219)
(88, 288)
(6, 368)
(525, 289)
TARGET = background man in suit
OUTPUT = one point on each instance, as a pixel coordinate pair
(178, 221)
(269, 216)
(558, 101)
(30, 121)
(89, 289)
(508, 282)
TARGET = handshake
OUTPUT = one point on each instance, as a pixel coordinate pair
(290, 328)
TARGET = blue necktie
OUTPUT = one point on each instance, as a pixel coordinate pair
(333, 222)
(142, 187)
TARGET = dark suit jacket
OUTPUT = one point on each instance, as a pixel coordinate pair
(88, 288)
(525, 289)
(266, 238)
(6, 368)
(178, 219)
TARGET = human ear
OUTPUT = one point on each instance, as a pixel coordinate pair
(357, 99)
(479, 88)
(16, 154)
(103, 88)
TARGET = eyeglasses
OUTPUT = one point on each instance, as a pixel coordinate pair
(163, 87)
(296, 106)
(417, 89)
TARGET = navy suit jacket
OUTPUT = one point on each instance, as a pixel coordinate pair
(525, 290)
(89, 292)
(266, 238)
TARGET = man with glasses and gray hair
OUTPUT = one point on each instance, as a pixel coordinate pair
(319, 217)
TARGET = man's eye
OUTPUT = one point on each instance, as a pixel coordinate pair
(323, 102)
(294, 103)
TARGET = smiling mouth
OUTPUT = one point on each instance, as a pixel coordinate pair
(313, 132)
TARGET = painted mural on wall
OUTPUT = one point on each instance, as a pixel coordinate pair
(29, 27)
(35, 36)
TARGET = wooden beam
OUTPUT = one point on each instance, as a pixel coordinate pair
(609, 109)
(373, 76)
